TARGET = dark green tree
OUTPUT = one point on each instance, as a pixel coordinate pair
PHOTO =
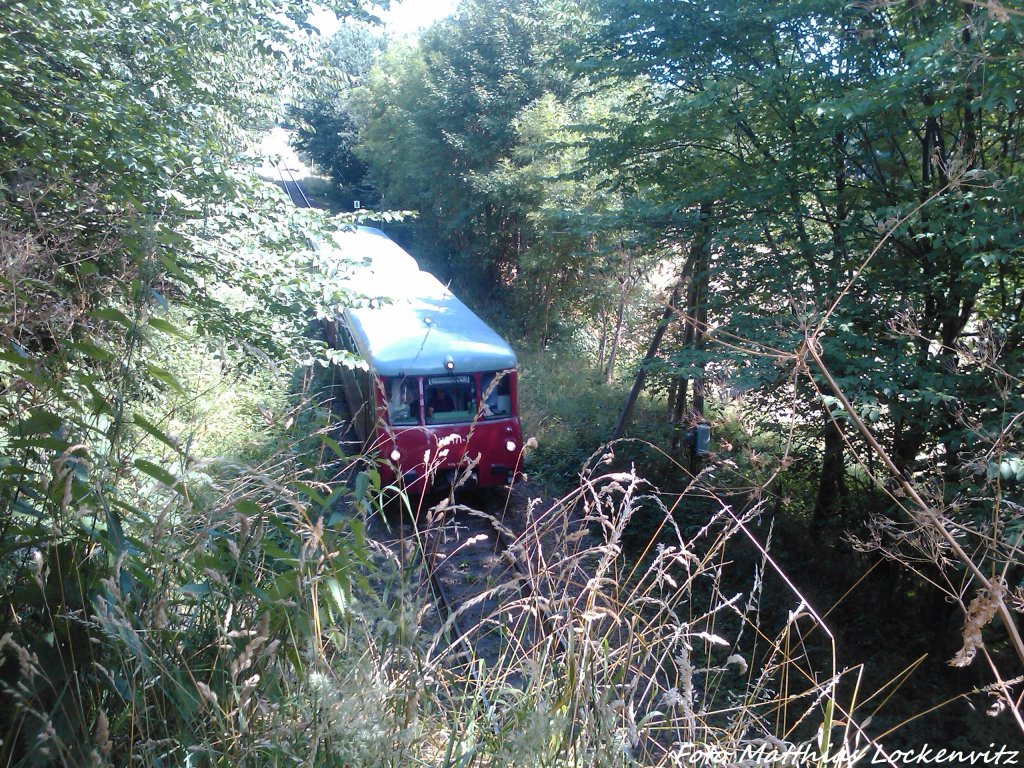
(814, 127)
(440, 119)
(123, 189)
(325, 127)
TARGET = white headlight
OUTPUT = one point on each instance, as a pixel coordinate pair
(396, 455)
(510, 445)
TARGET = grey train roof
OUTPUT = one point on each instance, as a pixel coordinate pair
(412, 322)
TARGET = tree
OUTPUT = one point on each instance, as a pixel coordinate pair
(440, 130)
(122, 191)
(326, 128)
(818, 109)
(864, 166)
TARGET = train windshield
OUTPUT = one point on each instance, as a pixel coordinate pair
(497, 395)
(450, 399)
(403, 395)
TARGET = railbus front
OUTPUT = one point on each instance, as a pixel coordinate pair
(438, 401)
(433, 428)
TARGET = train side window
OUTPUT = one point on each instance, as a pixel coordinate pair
(403, 400)
(345, 338)
(497, 395)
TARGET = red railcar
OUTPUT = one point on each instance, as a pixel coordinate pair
(438, 396)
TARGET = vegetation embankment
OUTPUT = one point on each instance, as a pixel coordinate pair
(825, 197)
(161, 520)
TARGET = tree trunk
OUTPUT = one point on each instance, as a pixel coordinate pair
(697, 320)
(613, 348)
(699, 327)
(641, 375)
(832, 481)
(603, 343)
(832, 478)
(547, 317)
(694, 275)
(679, 412)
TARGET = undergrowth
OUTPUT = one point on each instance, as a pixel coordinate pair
(187, 576)
(236, 613)
(255, 623)
(568, 408)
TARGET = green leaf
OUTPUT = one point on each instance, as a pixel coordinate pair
(312, 493)
(358, 531)
(165, 376)
(115, 532)
(248, 507)
(334, 446)
(16, 356)
(114, 316)
(336, 592)
(91, 350)
(142, 422)
(40, 422)
(362, 487)
(164, 326)
(160, 474)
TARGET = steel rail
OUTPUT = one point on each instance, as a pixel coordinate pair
(505, 550)
(454, 630)
(302, 201)
(447, 605)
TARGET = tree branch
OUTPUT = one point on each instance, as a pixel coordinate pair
(929, 517)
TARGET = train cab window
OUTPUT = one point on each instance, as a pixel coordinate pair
(450, 399)
(497, 395)
(403, 400)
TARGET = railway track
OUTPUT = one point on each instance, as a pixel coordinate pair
(487, 608)
(292, 188)
(484, 616)
(467, 560)
(495, 609)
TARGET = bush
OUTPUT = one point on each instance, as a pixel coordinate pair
(571, 412)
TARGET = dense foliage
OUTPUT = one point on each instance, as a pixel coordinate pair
(325, 127)
(811, 168)
(863, 171)
(474, 128)
(830, 195)
(800, 220)
(140, 256)
(850, 129)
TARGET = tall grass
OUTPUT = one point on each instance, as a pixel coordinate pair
(648, 659)
(247, 619)
(261, 627)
